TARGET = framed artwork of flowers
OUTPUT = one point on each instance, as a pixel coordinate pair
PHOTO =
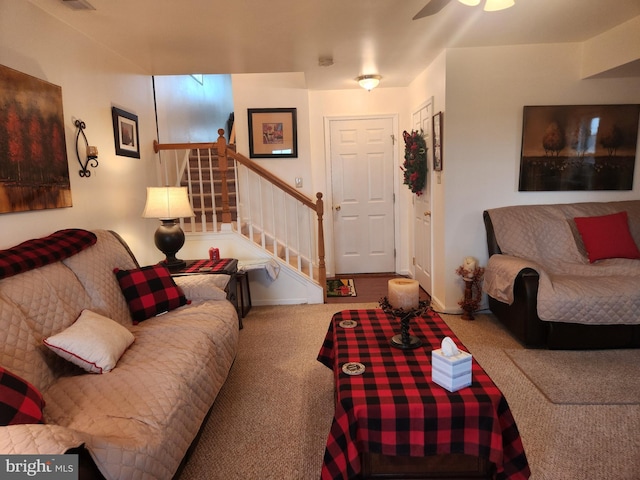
(273, 133)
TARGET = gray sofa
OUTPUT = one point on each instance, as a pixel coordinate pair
(544, 288)
(137, 420)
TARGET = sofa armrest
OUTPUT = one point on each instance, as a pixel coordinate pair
(203, 287)
(492, 243)
(32, 439)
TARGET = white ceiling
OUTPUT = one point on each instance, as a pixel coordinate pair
(172, 37)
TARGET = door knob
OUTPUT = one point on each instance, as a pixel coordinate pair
(427, 213)
(338, 208)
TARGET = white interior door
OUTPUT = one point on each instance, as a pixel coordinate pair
(362, 189)
(422, 205)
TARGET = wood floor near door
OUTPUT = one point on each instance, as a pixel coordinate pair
(370, 287)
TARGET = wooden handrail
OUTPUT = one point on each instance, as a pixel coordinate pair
(224, 152)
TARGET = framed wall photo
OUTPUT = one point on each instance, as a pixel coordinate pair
(273, 133)
(437, 142)
(125, 133)
(578, 147)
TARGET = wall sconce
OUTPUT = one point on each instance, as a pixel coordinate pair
(90, 152)
(168, 204)
(368, 82)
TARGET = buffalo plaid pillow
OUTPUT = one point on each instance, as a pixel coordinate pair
(20, 402)
(149, 291)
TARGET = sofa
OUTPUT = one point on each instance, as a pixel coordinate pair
(117, 363)
(566, 276)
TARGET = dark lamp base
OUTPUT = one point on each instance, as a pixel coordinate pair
(169, 238)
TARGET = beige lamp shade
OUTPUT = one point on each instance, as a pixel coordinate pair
(495, 5)
(167, 203)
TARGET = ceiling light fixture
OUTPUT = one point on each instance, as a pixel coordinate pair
(368, 82)
(78, 4)
(490, 5)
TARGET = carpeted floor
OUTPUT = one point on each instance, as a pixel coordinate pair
(272, 416)
(601, 377)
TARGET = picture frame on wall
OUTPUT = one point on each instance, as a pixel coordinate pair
(578, 147)
(273, 133)
(125, 133)
(437, 142)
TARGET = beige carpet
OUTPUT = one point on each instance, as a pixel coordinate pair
(272, 416)
(602, 377)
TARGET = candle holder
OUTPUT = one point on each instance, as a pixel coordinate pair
(404, 341)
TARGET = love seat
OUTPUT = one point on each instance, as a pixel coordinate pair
(137, 420)
(566, 276)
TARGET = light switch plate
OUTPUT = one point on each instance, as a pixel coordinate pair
(298, 182)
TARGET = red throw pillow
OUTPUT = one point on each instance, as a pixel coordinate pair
(607, 236)
(149, 291)
(20, 402)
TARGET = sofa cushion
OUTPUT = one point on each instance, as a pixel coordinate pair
(607, 236)
(20, 402)
(94, 343)
(149, 291)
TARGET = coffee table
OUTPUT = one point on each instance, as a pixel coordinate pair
(393, 422)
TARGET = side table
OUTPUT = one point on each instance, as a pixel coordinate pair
(224, 266)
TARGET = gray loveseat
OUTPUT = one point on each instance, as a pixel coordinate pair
(545, 289)
(137, 420)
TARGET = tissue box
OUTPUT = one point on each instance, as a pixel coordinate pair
(452, 373)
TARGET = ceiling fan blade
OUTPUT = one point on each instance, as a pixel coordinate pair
(431, 8)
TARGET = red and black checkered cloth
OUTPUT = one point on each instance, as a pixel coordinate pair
(395, 409)
(42, 251)
(217, 266)
(20, 402)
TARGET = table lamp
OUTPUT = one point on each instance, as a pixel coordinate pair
(168, 204)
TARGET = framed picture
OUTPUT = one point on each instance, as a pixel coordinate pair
(34, 169)
(125, 132)
(437, 142)
(273, 133)
(578, 147)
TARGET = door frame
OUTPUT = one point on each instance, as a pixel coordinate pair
(330, 258)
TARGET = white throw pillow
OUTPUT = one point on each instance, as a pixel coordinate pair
(94, 342)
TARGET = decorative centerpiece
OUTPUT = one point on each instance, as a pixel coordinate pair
(472, 276)
(415, 161)
(402, 301)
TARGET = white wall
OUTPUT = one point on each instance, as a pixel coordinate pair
(189, 111)
(486, 89)
(92, 80)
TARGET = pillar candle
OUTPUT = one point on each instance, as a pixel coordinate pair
(403, 293)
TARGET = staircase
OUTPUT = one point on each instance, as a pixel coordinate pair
(203, 179)
(230, 193)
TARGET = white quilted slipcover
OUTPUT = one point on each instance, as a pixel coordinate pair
(545, 238)
(138, 420)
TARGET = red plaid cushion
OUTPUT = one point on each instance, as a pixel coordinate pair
(149, 291)
(42, 251)
(20, 402)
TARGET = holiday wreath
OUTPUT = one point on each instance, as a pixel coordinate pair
(415, 161)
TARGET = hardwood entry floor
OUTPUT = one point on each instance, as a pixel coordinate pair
(370, 287)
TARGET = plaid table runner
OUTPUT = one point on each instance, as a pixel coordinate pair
(217, 266)
(394, 408)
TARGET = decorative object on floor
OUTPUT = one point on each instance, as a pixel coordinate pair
(168, 204)
(125, 131)
(90, 152)
(472, 276)
(582, 377)
(369, 82)
(273, 133)
(414, 167)
(34, 170)
(341, 287)
(578, 147)
(404, 340)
